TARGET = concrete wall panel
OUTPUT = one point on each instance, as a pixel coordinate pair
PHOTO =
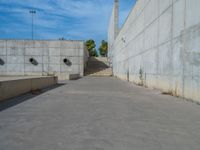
(54, 51)
(160, 41)
(151, 36)
(70, 52)
(15, 51)
(3, 66)
(192, 13)
(151, 12)
(178, 17)
(3, 50)
(15, 69)
(34, 51)
(15, 59)
(165, 22)
(163, 5)
(48, 54)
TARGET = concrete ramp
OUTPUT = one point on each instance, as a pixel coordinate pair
(16, 85)
(98, 67)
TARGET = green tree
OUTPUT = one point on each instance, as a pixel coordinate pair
(103, 49)
(90, 45)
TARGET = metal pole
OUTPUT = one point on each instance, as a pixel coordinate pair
(32, 27)
(32, 12)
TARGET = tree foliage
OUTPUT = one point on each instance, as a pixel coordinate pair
(103, 49)
(91, 47)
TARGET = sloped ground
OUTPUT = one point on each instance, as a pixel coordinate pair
(98, 67)
(100, 114)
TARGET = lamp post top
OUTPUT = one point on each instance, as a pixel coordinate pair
(32, 11)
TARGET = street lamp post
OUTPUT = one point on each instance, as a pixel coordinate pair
(32, 12)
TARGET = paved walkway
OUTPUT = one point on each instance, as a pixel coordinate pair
(100, 114)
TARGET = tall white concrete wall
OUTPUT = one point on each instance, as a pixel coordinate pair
(111, 31)
(113, 27)
(159, 46)
(16, 56)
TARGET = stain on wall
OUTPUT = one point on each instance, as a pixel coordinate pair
(159, 47)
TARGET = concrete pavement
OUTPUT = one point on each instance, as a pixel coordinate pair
(99, 114)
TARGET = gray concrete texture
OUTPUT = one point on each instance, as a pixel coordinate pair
(49, 55)
(159, 46)
(14, 86)
(100, 114)
(113, 24)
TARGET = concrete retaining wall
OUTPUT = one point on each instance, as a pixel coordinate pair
(113, 24)
(16, 86)
(159, 47)
(15, 56)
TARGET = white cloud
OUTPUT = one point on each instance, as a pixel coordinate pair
(79, 19)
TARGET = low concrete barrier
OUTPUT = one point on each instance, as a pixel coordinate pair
(64, 76)
(11, 86)
(74, 76)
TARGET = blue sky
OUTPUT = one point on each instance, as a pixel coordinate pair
(71, 19)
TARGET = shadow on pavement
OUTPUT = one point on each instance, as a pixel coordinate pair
(22, 98)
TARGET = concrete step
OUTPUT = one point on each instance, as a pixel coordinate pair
(99, 75)
(102, 72)
(104, 59)
(98, 70)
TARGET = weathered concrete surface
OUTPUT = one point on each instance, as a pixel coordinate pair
(113, 24)
(101, 114)
(158, 46)
(11, 86)
(49, 56)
